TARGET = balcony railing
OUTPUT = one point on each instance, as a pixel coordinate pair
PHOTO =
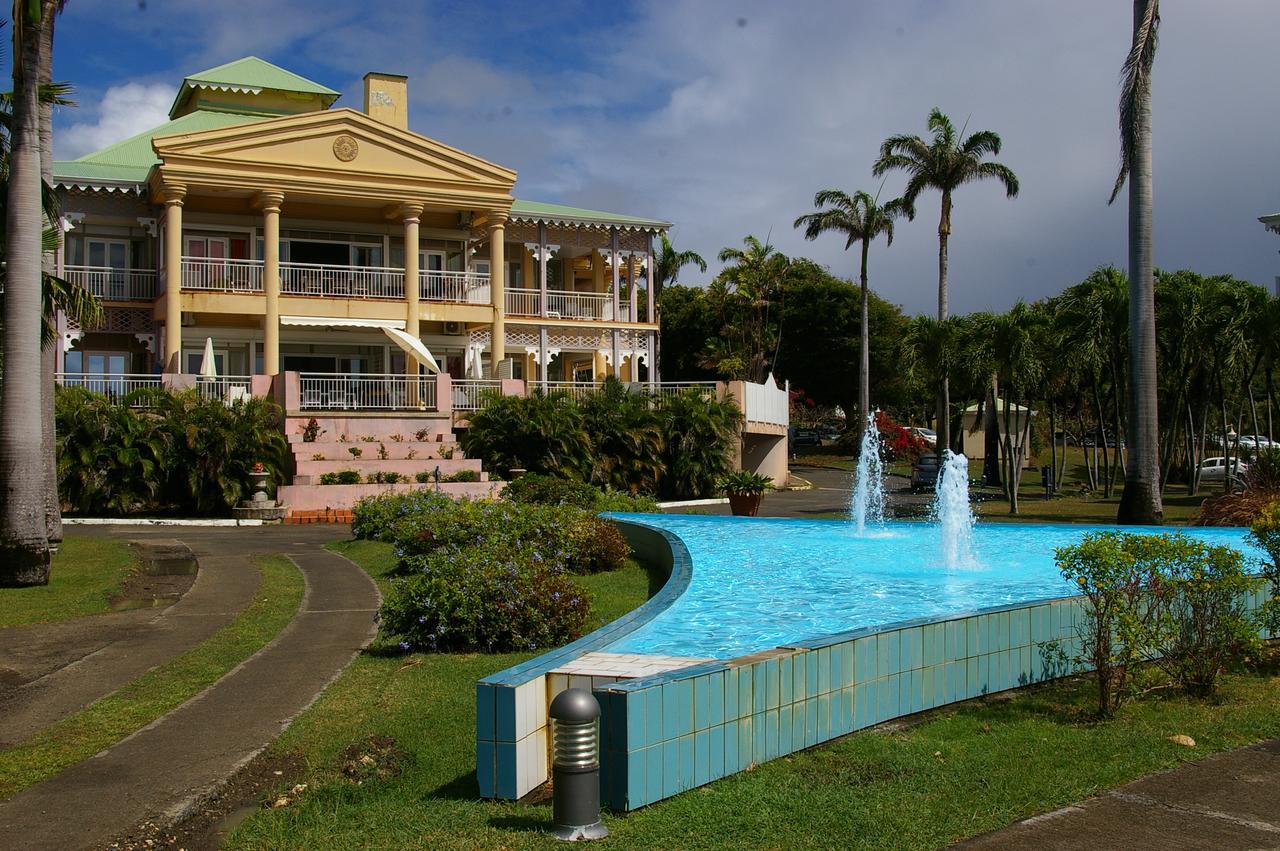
(463, 287)
(113, 385)
(565, 304)
(341, 281)
(472, 394)
(340, 392)
(233, 276)
(228, 388)
(114, 284)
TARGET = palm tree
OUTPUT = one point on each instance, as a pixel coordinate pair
(668, 263)
(859, 218)
(24, 541)
(1140, 502)
(945, 163)
(744, 293)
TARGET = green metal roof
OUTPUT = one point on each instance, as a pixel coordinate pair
(537, 210)
(130, 161)
(250, 74)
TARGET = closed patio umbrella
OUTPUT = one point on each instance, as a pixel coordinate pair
(208, 364)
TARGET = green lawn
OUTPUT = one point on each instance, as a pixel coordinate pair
(85, 573)
(955, 773)
(102, 724)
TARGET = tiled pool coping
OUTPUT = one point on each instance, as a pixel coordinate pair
(672, 731)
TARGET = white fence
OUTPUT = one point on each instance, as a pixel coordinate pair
(228, 388)
(464, 287)
(114, 385)
(341, 392)
(523, 303)
(114, 284)
(342, 281)
(471, 394)
(204, 273)
(767, 403)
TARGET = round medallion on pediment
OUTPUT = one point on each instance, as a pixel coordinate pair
(345, 148)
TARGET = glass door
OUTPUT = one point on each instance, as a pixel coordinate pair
(431, 268)
(109, 259)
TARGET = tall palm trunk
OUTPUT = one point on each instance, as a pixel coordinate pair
(991, 435)
(24, 543)
(944, 388)
(48, 355)
(1140, 502)
(864, 364)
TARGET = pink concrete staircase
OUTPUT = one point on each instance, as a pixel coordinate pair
(406, 448)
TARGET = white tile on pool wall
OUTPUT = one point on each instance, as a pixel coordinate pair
(531, 762)
(531, 707)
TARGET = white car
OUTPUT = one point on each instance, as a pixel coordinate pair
(928, 435)
(1215, 469)
(1255, 441)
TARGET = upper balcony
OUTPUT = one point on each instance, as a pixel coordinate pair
(110, 284)
(331, 281)
(563, 304)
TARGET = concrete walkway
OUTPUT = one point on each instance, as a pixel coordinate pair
(165, 767)
(1231, 800)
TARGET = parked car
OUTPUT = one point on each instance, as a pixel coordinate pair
(924, 473)
(1254, 442)
(829, 434)
(1215, 469)
(806, 437)
(928, 435)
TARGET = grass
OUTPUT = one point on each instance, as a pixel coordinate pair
(955, 773)
(107, 721)
(86, 572)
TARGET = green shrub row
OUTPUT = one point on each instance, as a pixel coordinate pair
(492, 575)
(161, 451)
(1169, 600)
(390, 477)
(676, 446)
(539, 489)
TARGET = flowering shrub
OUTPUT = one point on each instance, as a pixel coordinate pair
(900, 443)
(376, 518)
(537, 489)
(484, 598)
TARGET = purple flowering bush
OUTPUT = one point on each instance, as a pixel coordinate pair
(484, 598)
(376, 518)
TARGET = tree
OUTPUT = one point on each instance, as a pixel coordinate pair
(944, 163)
(744, 295)
(687, 321)
(1140, 502)
(859, 218)
(24, 542)
(668, 263)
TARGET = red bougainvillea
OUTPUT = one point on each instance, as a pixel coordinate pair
(899, 442)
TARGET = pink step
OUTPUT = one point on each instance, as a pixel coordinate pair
(377, 425)
(333, 450)
(319, 497)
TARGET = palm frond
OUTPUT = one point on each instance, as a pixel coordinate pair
(1001, 173)
(1135, 85)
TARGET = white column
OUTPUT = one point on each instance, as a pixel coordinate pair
(649, 306)
(542, 269)
(497, 220)
(270, 204)
(542, 354)
(613, 262)
(174, 195)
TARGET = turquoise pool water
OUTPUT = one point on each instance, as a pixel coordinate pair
(761, 583)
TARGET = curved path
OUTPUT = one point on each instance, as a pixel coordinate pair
(162, 769)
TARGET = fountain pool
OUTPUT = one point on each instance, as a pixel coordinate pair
(762, 583)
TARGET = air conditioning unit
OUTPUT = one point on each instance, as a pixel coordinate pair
(453, 328)
(188, 319)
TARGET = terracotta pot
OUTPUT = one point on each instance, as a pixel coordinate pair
(745, 504)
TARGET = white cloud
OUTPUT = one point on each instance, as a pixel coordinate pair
(124, 111)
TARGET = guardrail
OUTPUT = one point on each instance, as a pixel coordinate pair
(523, 302)
(228, 388)
(204, 273)
(112, 284)
(563, 304)
(113, 385)
(463, 287)
(472, 394)
(323, 280)
(339, 392)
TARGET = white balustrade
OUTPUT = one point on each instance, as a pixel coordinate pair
(207, 273)
(367, 392)
(675, 388)
(464, 287)
(318, 279)
(228, 388)
(522, 302)
(114, 284)
(113, 385)
(767, 403)
(564, 304)
(472, 394)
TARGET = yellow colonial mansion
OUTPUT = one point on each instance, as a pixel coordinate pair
(294, 236)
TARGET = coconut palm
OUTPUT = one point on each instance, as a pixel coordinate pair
(945, 163)
(668, 263)
(1140, 502)
(744, 294)
(859, 218)
(24, 541)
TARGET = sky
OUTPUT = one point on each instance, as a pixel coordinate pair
(726, 118)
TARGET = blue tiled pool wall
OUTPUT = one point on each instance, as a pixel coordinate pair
(512, 736)
(665, 734)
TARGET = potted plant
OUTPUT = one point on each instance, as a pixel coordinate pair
(745, 490)
(258, 476)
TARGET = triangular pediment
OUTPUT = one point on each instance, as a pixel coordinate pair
(336, 144)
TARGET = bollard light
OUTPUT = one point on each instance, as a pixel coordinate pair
(575, 768)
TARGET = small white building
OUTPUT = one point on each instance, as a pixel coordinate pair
(975, 436)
